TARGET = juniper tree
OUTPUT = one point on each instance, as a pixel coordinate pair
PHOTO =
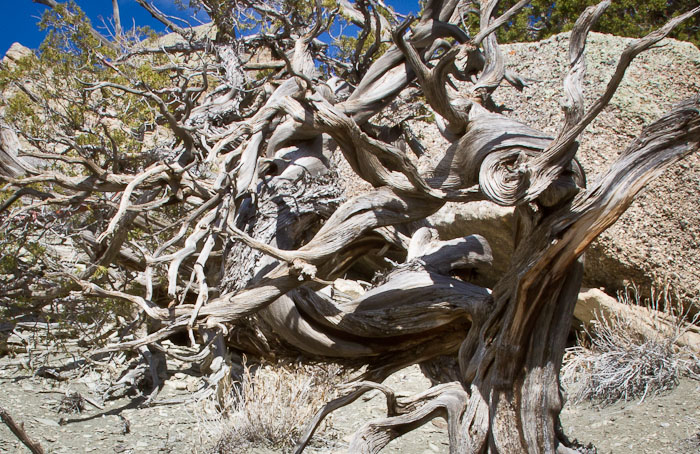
(198, 179)
(543, 18)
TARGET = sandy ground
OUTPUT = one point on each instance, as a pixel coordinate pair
(669, 423)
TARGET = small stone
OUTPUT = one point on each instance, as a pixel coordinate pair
(179, 385)
(47, 422)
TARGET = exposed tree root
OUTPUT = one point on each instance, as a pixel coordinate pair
(403, 414)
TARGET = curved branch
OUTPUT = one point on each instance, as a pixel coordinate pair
(494, 66)
(360, 389)
(532, 177)
(497, 23)
(11, 164)
(160, 17)
(124, 204)
(448, 401)
(453, 107)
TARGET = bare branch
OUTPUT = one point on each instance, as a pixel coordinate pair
(497, 23)
(159, 16)
(532, 178)
(117, 18)
(18, 430)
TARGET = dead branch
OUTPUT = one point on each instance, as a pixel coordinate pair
(18, 430)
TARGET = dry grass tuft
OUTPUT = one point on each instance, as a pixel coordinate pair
(269, 407)
(615, 362)
(71, 402)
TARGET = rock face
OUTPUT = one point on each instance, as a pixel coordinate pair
(487, 219)
(657, 240)
(15, 53)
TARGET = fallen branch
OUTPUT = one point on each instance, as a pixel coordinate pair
(18, 430)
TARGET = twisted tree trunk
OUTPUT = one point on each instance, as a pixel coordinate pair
(263, 234)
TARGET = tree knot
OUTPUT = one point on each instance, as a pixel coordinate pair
(303, 270)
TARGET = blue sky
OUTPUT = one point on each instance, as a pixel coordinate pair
(18, 21)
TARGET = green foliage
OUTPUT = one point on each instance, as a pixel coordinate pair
(297, 14)
(8, 264)
(100, 271)
(19, 109)
(53, 101)
(48, 99)
(633, 18)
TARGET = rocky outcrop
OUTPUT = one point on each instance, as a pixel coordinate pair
(15, 53)
(656, 241)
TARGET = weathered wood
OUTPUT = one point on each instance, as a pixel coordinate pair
(18, 430)
(519, 388)
(594, 304)
(11, 165)
(239, 226)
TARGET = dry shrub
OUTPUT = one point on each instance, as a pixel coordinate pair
(614, 361)
(269, 407)
(71, 402)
